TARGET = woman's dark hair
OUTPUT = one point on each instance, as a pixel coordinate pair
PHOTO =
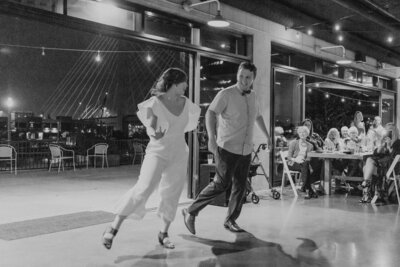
(249, 66)
(168, 78)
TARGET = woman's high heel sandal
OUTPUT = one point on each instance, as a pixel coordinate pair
(164, 240)
(108, 236)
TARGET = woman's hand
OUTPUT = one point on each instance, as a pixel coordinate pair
(158, 134)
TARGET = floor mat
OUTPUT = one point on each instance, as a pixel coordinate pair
(47, 225)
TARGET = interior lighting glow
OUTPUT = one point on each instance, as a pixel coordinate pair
(326, 95)
(343, 100)
(43, 53)
(359, 103)
(310, 32)
(340, 38)
(149, 58)
(390, 39)
(373, 104)
(336, 27)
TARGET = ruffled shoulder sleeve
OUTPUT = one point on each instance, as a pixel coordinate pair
(194, 115)
(144, 115)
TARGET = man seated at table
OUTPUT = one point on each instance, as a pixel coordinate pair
(297, 159)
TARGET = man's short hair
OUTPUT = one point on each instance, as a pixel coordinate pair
(249, 66)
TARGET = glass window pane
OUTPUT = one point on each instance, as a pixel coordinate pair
(104, 13)
(223, 41)
(338, 103)
(75, 81)
(48, 5)
(166, 27)
(388, 108)
(214, 76)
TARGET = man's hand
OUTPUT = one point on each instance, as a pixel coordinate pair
(212, 146)
(158, 134)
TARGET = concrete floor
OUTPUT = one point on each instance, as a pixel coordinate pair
(328, 231)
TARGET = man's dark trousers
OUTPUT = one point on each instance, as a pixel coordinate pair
(231, 169)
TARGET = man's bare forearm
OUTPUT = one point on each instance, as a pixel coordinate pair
(211, 124)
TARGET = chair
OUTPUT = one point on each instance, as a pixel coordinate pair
(138, 150)
(59, 154)
(99, 151)
(8, 153)
(391, 175)
(288, 173)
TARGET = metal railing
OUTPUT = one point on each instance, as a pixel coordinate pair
(36, 154)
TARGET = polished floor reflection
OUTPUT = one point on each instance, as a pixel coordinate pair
(328, 231)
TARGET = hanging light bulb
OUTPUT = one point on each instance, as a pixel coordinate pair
(326, 95)
(148, 58)
(390, 39)
(359, 103)
(98, 57)
(43, 53)
(336, 27)
(340, 38)
(343, 100)
(373, 104)
(297, 35)
(309, 90)
(310, 31)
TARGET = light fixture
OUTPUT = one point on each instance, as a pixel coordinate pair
(43, 53)
(343, 60)
(340, 38)
(217, 21)
(336, 27)
(390, 39)
(148, 58)
(98, 57)
(309, 31)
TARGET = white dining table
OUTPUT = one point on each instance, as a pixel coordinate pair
(328, 156)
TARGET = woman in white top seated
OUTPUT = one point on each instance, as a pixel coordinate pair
(297, 159)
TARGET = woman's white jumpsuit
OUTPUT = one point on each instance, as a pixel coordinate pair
(165, 162)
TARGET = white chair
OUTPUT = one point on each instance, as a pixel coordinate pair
(138, 150)
(391, 175)
(99, 151)
(8, 153)
(288, 173)
(59, 154)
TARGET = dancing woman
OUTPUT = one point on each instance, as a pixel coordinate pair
(167, 115)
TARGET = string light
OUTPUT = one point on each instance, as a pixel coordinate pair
(148, 58)
(309, 31)
(390, 39)
(43, 53)
(336, 27)
(340, 38)
(98, 57)
(344, 98)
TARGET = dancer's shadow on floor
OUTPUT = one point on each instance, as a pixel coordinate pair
(247, 250)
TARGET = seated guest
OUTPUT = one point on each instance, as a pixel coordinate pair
(354, 145)
(375, 133)
(318, 144)
(377, 165)
(344, 131)
(332, 141)
(297, 159)
(359, 123)
(353, 142)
